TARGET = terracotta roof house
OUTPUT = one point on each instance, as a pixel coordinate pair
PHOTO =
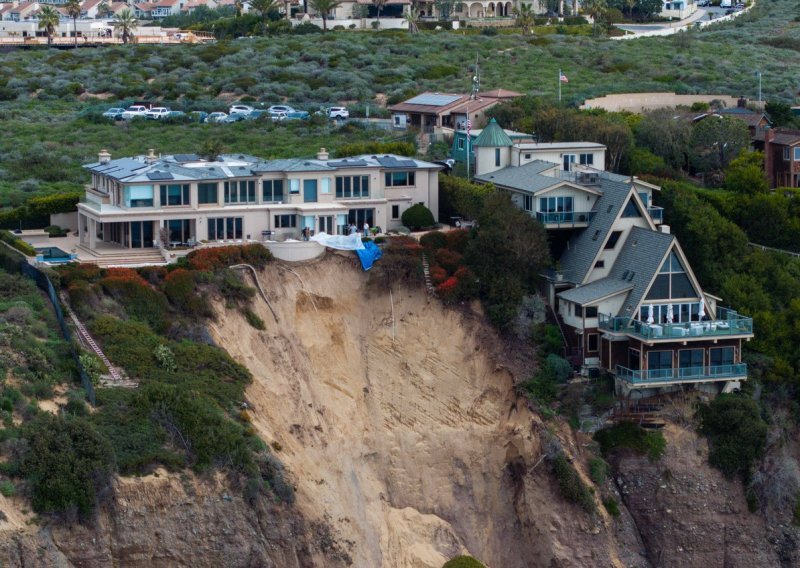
(782, 157)
(448, 110)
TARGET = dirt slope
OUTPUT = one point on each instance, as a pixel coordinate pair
(405, 433)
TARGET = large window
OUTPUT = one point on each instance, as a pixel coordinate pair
(272, 190)
(592, 342)
(395, 211)
(285, 221)
(690, 358)
(556, 204)
(527, 202)
(587, 159)
(681, 313)
(612, 240)
(348, 187)
(138, 195)
(400, 179)
(180, 230)
(659, 360)
(720, 356)
(174, 194)
(672, 281)
(207, 193)
(590, 312)
(631, 209)
(797, 154)
(224, 228)
(242, 191)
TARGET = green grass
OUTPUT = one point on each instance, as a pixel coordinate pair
(626, 435)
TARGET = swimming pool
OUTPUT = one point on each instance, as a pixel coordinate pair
(52, 254)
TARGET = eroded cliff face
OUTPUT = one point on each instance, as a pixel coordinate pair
(398, 420)
(174, 520)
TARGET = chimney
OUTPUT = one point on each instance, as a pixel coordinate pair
(103, 157)
(664, 229)
(322, 154)
(151, 157)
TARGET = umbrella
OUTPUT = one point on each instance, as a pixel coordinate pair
(702, 314)
(670, 315)
(650, 319)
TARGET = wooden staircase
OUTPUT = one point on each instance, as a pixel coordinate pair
(426, 270)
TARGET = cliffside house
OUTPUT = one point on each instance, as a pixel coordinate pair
(238, 198)
(623, 292)
(429, 111)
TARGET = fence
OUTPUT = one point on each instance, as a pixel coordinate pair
(12, 261)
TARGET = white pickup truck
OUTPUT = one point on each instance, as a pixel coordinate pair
(156, 113)
(134, 111)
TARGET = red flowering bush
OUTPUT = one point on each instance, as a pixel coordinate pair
(433, 240)
(140, 301)
(179, 287)
(438, 275)
(448, 260)
(222, 257)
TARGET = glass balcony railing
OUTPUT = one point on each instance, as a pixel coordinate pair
(729, 323)
(566, 218)
(683, 374)
(656, 213)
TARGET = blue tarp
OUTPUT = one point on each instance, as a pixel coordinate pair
(369, 254)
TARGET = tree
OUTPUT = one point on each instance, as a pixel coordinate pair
(239, 5)
(597, 10)
(716, 140)
(666, 135)
(745, 174)
(323, 8)
(630, 4)
(444, 8)
(379, 4)
(125, 22)
(417, 216)
(525, 18)
(647, 8)
(73, 8)
(104, 9)
(211, 149)
(48, 21)
(412, 17)
(264, 7)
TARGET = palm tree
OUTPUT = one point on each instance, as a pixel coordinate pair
(412, 17)
(125, 21)
(263, 7)
(103, 9)
(239, 5)
(630, 4)
(73, 8)
(596, 9)
(324, 8)
(379, 4)
(525, 18)
(48, 21)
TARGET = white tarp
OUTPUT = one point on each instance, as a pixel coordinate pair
(339, 242)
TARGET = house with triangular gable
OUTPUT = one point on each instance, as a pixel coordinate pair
(623, 291)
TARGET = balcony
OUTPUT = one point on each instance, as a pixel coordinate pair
(656, 214)
(565, 219)
(683, 374)
(730, 323)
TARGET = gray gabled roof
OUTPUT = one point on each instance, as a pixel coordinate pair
(582, 250)
(523, 178)
(638, 262)
(596, 290)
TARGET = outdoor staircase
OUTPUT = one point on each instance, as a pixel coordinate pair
(124, 257)
(426, 270)
(117, 379)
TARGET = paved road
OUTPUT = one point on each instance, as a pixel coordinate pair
(702, 14)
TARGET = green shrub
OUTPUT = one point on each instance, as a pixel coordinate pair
(542, 387)
(17, 243)
(65, 463)
(611, 506)
(254, 320)
(736, 433)
(417, 216)
(7, 488)
(548, 338)
(433, 240)
(571, 486)
(463, 562)
(633, 437)
(598, 470)
(561, 368)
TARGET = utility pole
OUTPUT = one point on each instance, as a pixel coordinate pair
(759, 85)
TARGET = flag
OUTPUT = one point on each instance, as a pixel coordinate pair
(562, 77)
(469, 125)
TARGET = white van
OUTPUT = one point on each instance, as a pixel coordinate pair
(726, 4)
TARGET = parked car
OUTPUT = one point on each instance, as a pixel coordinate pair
(133, 112)
(114, 113)
(235, 117)
(256, 114)
(240, 109)
(175, 114)
(703, 3)
(338, 112)
(277, 115)
(157, 113)
(297, 115)
(216, 117)
(280, 108)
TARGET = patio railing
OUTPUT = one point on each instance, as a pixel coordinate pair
(729, 323)
(570, 218)
(682, 374)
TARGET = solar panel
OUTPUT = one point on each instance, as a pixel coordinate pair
(186, 158)
(346, 163)
(429, 99)
(392, 162)
(156, 176)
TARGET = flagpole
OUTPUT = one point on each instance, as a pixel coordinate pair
(559, 86)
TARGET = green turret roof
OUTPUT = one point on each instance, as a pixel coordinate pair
(493, 136)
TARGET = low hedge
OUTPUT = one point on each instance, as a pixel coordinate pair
(17, 243)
